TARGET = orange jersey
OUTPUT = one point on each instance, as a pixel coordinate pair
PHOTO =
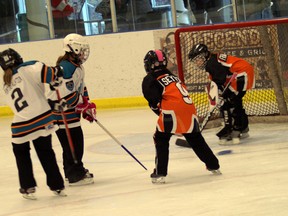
(177, 112)
(220, 65)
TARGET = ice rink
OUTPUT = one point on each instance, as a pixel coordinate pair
(254, 180)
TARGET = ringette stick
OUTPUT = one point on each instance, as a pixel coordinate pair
(67, 131)
(117, 141)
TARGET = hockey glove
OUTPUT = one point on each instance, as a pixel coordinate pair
(55, 84)
(58, 78)
(156, 110)
(58, 106)
(59, 72)
(87, 109)
(82, 106)
(90, 113)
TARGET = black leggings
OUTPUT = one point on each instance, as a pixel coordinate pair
(46, 155)
(195, 140)
(73, 171)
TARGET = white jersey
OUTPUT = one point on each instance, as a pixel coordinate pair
(32, 114)
(72, 90)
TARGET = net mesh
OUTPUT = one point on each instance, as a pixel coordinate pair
(262, 43)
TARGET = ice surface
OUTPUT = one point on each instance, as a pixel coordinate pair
(254, 180)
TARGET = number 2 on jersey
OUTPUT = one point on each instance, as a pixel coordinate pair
(19, 103)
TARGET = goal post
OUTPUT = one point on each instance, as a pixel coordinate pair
(262, 43)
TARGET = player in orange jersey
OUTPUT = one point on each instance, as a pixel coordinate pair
(169, 99)
(220, 67)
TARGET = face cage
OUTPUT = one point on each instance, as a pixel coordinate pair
(146, 67)
(150, 67)
(84, 53)
(199, 62)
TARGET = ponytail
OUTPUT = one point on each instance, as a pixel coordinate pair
(7, 78)
(62, 58)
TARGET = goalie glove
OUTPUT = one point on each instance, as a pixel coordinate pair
(87, 109)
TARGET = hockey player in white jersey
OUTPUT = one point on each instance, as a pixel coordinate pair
(33, 119)
(73, 90)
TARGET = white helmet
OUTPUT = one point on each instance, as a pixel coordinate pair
(77, 44)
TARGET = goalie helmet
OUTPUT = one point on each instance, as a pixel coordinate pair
(76, 44)
(155, 60)
(199, 55)
(10, 58)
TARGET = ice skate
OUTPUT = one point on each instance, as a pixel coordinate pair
(235, 135)
(88, 174)
(215, 172)
(244, 133)
(84, 181)
(225, 136)
(238, 135)
(28, 193)
(157, 179)
(232, 138)
(225, 140)
(60, 192)
(87, 179)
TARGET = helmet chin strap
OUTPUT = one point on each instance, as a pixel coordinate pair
(71, 49)
(156, 70)
(74, 58)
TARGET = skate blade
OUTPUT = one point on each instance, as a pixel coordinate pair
(160, 180)
(60, 193)
(29, 196)
(225, 142)
(234, 141)
(216, 172)
(244, 135)
(85, 181)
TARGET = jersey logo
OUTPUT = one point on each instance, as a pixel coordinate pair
(70, 85)
(49, 127)
(223, 57)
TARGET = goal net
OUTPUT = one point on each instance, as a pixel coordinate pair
(262, 43)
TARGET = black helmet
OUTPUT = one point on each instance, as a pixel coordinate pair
(197, 50)
(10, 58)
(199, 55)
(155, 59)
